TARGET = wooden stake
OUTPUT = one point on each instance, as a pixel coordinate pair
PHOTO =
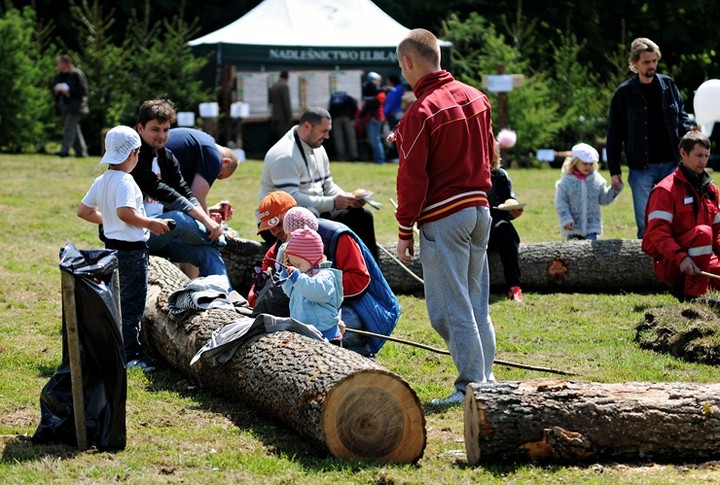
(73, 340)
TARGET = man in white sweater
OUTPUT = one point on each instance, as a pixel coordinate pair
(298, 164)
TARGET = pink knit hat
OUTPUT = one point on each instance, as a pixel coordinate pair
(297, 218)
(307, 244)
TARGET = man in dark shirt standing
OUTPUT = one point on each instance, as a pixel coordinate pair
(70, 88)
(281, 115)
(647, 119)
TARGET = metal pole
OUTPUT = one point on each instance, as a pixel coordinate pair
(73, 340)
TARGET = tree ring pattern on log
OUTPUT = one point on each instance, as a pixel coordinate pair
(374, 415)
(372, 427)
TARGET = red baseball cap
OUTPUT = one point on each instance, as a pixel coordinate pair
(272, 207)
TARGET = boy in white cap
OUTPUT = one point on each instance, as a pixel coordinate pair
(115, 201)
(314, 287)
(579, 194)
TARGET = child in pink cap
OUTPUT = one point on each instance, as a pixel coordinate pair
(313, 286)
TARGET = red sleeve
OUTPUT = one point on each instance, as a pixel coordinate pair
(658, 238)
(349, 260)
(266, 262)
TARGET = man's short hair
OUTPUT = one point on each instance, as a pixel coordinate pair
(314, 115)
(423, 43)
(227, 152)
(638, 46)
(692, 138)
(161, 110)
(64, 58)
(284, 75)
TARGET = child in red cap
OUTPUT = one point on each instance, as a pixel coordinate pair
(313, 286)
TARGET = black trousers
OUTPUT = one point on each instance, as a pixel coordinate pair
(361, 221)
(505, 240)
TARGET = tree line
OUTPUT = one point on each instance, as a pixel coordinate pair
(572, 54)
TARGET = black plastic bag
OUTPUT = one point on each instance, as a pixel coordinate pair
(102, 358)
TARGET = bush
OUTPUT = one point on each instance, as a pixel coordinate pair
(151, 61)
(532, 110)
(26, 108)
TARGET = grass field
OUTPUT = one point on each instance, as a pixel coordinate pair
(179, 433)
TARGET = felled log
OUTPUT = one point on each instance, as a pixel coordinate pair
(606, 265)
(351, 405)
(567, 422)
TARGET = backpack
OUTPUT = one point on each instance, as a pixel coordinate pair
(378, 308)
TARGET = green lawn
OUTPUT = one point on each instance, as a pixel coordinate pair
(178, 433)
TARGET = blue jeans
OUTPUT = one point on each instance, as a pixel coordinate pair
(641, 183)
(353, 341)
(373, 129)
(189, 243)
(453, 253)
(133, 268)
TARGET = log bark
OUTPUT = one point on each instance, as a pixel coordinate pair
(351, 405)
(606, 265)
(567, 422)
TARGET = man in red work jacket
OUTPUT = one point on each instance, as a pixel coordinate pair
(682, 223)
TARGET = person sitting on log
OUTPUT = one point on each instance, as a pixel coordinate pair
(312, 284)
(369, 303)
(682, 223)
(504, 238)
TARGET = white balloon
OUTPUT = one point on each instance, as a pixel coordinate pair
(707, 102)
(707, 128)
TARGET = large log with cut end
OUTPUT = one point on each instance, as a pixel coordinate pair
(606, 265)
(561, 421)
(353, 406)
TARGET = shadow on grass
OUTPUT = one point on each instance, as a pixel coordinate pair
(21, 448)
(277, 437)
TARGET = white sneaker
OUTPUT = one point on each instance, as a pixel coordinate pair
(457, 397)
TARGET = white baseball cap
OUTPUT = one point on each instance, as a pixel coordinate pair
(585, 152)
(119, 142)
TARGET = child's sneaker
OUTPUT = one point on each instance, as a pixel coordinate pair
(515, 294)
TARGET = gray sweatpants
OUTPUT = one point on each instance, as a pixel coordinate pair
(453, 253)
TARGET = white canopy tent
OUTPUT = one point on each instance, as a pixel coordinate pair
(317, 37)
(280, 34)
(328, 23)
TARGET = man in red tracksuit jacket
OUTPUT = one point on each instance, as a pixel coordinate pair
(682, 223)
(445, 142)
